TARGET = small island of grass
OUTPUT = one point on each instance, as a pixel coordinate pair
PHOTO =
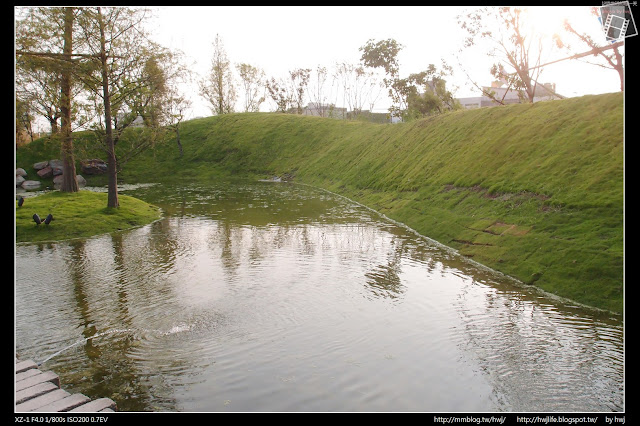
(79, 214)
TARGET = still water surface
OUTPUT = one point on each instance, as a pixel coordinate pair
(280, 297)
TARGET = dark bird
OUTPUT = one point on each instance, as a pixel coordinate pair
(36, 219)
(20, 201)
(48, 219)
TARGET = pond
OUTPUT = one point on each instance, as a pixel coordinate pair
(277, 297)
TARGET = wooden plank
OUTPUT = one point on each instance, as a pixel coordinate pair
(100, 404)
(65, 404)
(25, 365)
(34, 391)
(42, 400)
(40, 391)
(47, 376)
(26, 374)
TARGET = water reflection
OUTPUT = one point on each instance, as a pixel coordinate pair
(280, 298)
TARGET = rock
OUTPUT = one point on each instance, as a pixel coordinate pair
(45, 173)
(20, 172)
(57, 181)
(56, 167)
(31, 184)
(95, 166)
(19, 180)
(41, 165)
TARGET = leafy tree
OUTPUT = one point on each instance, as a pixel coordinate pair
(122, 76)
(252, 79)
(39, 31)
(278, 92)
(415, 96)
(427, 94)
(24, 121)
(69, 180)
(218, 87)
(289, 94)
(176, 109)
(44, 40)
(384, 54)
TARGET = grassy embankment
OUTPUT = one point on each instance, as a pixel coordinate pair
(79, 214)
(534, 191)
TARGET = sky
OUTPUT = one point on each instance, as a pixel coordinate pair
(279, 39)
(282, 38)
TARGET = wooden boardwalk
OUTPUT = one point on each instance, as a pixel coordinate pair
(40, 391)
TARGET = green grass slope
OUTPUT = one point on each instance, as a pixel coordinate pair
(534, 191)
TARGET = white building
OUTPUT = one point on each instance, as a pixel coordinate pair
(543, 92)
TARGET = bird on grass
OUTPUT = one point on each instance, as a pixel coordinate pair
(20, 201)
(46, 221)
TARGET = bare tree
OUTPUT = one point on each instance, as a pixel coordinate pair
(517, 53)
(359, 87)
(610, 58)
(317, 95)
(299, 79)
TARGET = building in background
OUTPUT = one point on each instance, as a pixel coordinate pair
(544, 92)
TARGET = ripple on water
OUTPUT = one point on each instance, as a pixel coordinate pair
(249, 299)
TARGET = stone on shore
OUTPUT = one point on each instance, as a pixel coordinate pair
(31, 184)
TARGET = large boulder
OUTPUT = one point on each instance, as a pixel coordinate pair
(20, 174)
(56, 167)
(41, 165)
(94, 166)
(45, 173)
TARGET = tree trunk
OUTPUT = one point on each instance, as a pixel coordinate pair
(178, 140)
(69, 182)
(112, 187)
(54, 126)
